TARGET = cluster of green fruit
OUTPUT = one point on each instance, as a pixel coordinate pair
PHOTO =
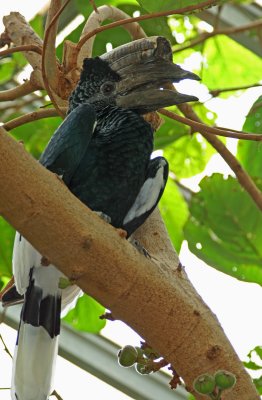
(213, 385)
(143, 358)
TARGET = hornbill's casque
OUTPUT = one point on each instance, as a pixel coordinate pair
(102, 152)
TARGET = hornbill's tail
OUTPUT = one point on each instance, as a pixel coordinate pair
(37, 340)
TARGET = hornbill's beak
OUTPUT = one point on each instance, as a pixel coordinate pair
(147, 73)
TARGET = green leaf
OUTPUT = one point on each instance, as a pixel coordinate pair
(36, 134)
(85, 316)
(258, 384)
(228, 64)
(169, 132)
(174, 211)
(252, 365)
(188, 155)
(249, 152)
(6, 248)
(258, 352)
(224, 229)
(7, 67)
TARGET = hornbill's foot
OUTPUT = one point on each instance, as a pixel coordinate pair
(139, 247)
(103, 216)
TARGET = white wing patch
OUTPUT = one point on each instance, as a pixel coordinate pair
(148, 195)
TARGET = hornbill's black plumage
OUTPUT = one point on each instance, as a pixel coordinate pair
(102, 152)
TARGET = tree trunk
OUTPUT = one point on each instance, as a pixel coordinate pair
(154, 296)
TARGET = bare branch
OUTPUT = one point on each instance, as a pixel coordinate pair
(22, 34)
(95, 20)
(19, 91)
(222, 31)
(33, 116)
(50, 66)
(49, 60)
(183, 10)
(203, 128)
(244, 179)
(216, 92)
(28, 47)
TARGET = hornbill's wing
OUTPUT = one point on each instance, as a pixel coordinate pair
(67, 146)
(148, 196)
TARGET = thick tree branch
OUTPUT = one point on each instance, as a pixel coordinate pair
(154, 298)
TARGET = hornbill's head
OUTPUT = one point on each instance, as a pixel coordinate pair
(136, 76)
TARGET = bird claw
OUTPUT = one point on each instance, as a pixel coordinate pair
(103, 216)
(139, 247)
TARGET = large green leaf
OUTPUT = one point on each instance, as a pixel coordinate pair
(188, 155)
(169, 132)
(224, 228)
(85, 316)
(174, 210)
(6, 246)
(36, 135)
(229, 64)
(249, 153)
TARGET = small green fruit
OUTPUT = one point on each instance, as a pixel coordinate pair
(151, 353)
(225, 379)
(127, 356)
(143, 369)
(64, 283)
(204, 384)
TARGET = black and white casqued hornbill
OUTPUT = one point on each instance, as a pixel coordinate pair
(102, 151)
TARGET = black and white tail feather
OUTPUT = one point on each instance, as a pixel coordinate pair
(37, 340)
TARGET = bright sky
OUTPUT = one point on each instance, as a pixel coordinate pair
(235, 303)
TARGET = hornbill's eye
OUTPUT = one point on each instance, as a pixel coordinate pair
(107, 88)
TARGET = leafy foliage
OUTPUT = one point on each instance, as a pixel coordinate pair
(228, 240)
(250, 153)
(254, 366)
(85, 316)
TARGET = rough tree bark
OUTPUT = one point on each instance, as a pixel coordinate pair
(154, 296)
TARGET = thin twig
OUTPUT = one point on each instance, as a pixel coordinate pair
(5, 346)
(222, 31)
(30, 117)
(216, 92)
(45, 46)
(244, 179)
(202, 128)
(56, 395)
(27, 47)
(145, 17)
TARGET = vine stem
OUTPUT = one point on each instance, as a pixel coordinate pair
(182, 10)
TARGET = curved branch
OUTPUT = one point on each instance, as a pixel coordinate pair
(244, 179)
(21, 33)
(95, 20)
(28, 47)
(49, 60)
(203, 128)
(222, 31)
(57, 81)
(33, 116)
(145, 17)
(19, 91)
(216, 92)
